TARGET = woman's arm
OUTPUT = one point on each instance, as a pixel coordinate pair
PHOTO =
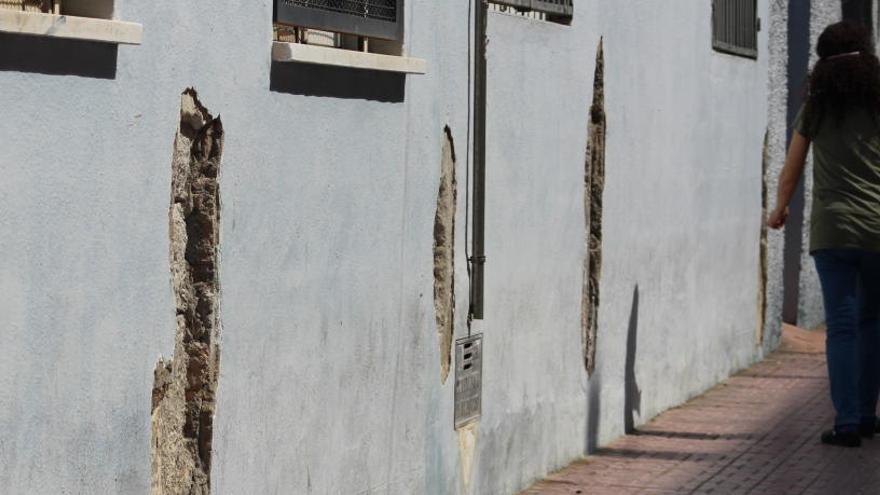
(789, 178)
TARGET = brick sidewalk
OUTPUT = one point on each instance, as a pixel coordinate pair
(757, 433)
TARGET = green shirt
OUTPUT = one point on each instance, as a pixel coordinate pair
(846, 181)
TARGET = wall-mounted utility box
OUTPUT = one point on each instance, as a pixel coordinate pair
(468, 380)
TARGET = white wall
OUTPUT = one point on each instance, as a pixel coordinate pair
(327, 211)
(683, 211)
(777, 128)
(329, 367)
(541, 79)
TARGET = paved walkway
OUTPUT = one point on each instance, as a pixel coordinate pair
(757, 433)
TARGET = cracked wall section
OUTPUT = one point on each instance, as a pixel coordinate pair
(185, 387)
(444, 254)
(762, 253)
(594, 187)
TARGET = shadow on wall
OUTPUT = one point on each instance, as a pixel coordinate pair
(632, 395)
(593, 411)
(56, 56)
(336, 82)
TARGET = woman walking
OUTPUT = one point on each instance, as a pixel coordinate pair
(841, 120)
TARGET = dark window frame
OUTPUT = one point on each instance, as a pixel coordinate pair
(299, 13)
(735, 26)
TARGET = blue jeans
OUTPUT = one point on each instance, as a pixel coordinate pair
(851, 291)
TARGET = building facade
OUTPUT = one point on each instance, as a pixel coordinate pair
(343, 232)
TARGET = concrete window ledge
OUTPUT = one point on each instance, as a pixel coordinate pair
(322, 55)
(70, 27)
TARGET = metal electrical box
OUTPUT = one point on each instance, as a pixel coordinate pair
(468, 379)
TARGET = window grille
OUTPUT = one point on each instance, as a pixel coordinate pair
(735, 27)
(369, 18)
(559, 8)
(44, 6)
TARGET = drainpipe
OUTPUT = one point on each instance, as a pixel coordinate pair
(478, 257)
(799, 14)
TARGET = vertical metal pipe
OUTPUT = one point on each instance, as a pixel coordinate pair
(799, 14)
(478, 260)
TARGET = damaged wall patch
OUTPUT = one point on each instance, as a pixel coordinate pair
(185, 387)
(444, 253)
(594, 187)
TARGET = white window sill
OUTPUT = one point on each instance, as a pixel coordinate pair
(322, 55)
(70, 27)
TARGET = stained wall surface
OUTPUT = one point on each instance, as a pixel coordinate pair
(329, 370)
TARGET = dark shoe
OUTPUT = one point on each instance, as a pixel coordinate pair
(867, 430)
(843, 439)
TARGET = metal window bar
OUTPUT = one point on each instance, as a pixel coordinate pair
(735, 27)
(369, 18)
(562, 8)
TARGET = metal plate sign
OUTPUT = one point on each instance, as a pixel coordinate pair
(468, 380)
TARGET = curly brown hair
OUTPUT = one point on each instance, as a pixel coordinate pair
(847, 75)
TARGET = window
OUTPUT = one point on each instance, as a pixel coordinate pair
(45, 6)
(82, 19)
(378, 19)
(368, 18)
(98, 9)
(359, 34)
(735, 27)
(559, 11)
